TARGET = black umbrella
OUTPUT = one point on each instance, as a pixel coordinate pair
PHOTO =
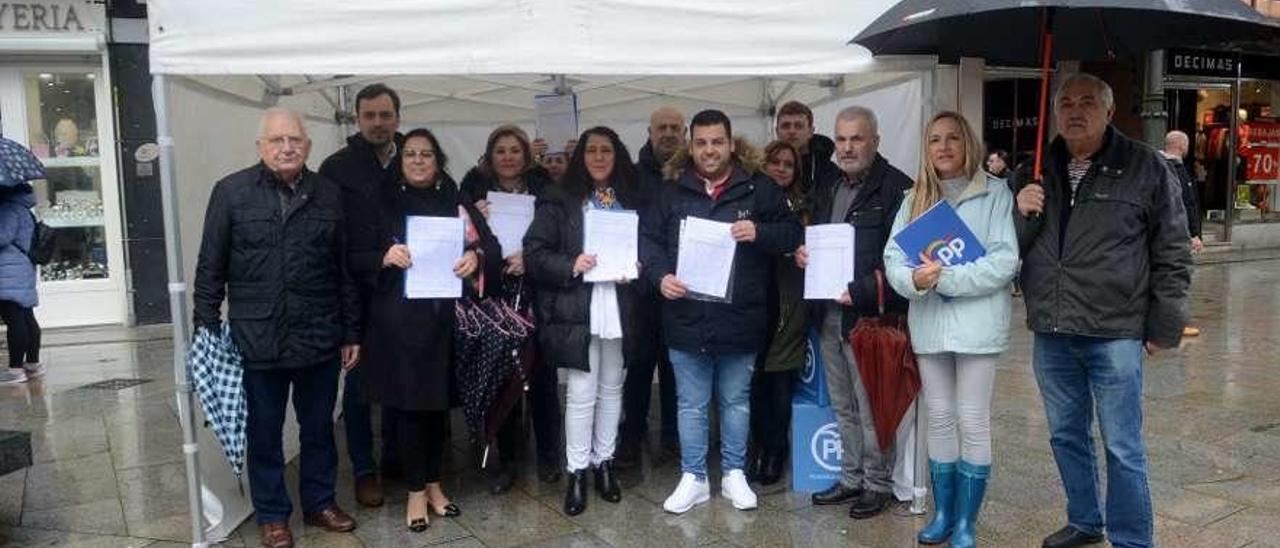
(1004, 31)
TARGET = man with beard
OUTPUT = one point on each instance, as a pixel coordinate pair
(666, 137)
(369, 162)
(715, 342)
(866, 193)
(794, 125)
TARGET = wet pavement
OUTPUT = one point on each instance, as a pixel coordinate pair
(108, 465)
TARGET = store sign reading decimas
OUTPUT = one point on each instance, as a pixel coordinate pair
(1262, 155)
(66, 16)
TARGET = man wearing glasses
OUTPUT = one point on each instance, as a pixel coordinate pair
(273, 247)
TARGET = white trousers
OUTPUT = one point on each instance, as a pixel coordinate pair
(593, 405)
(959, 386)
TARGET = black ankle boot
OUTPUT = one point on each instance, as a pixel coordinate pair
(607, 482)
(771, 466)
(502, 478)
(575, 498)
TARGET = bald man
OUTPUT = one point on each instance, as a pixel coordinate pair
(273, 248)
(1176, 145)
(666, 136)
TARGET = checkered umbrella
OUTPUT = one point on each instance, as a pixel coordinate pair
(17, 164)
(217, 375)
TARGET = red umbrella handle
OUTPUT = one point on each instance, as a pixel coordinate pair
(1046, 47)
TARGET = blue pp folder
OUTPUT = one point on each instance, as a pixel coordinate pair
(942, 235)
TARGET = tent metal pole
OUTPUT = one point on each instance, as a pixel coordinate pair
(178, 308)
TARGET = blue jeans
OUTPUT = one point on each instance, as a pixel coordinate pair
(315, 391)
(358, 422)
(696, 375)
(1078, 375)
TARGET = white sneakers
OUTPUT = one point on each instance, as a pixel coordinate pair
(13, 376)
(18, 376)
(692, 492)
(733, 486)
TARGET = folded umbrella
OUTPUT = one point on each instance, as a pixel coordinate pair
(887, 366)
(489, 349)
(216, 370)
(17, 164)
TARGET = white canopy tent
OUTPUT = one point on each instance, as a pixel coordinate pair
(463, 66)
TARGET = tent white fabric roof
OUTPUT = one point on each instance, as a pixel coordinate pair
(463, 66)
(617, 37)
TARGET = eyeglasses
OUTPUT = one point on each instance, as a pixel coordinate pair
(424, 154)
(281, 141)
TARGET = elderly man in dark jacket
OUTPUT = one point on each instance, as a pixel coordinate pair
(666, 137)
(273, 247)
(1105, 272)
(714, 343)
(866, 193)
(363, 169)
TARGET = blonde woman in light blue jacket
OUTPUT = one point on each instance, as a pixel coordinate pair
(959, 321)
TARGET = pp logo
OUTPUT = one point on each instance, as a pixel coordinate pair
(946, 251)
(826, 449)
(810, 362)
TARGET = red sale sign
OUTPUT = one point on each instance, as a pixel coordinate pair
(1262, 151)
(1263, 163)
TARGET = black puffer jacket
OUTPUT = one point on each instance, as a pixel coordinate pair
(711, 327)
(478, 182)
(816, 165)
(551, 246)
(649, 167)
(291, 302)
(1116, 265)
(871, 215)
(356, 170)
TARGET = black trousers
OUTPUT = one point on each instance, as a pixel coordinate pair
(23, 335)
(544, 406)
(315, 392)
(771, 409)
(421, 436)
(637, 388)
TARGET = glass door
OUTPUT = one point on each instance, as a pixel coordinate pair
(1202, 111)
(63, 113)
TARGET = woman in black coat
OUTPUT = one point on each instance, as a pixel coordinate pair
(583, 326)
(508, 166)
(408, 345)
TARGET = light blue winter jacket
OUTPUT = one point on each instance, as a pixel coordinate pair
(975, 317)
(17, 273)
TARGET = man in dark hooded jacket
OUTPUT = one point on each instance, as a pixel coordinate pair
(794, 124)
(369, 162)
(666, 136)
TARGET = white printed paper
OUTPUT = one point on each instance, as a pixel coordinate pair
(705, 258)
(435, 245)
(831, 258)
(612, 236)
(509, 218)
(556, 119)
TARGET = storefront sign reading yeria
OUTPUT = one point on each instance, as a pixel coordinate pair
(66, 16)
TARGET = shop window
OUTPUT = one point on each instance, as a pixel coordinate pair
(63, 132)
